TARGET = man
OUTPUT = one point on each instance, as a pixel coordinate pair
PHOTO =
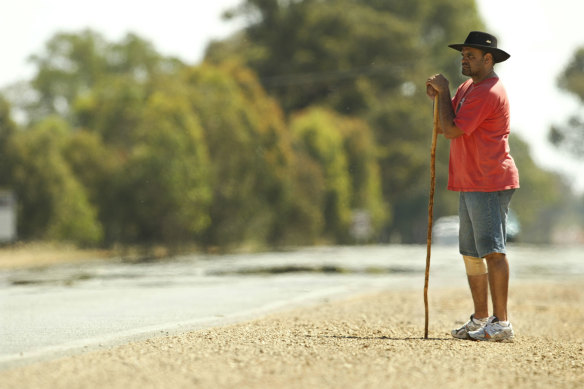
(476, 121)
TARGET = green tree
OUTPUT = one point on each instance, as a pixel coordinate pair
(338, 52)
(166, 175)
(73, 63)
(300, 219)
(344, 150)
(137, 147)
(320, 139)
(572, 77)
(53, 205)
(540, 198)
(95, 165)
(570, 136)
(157, 173)
(188, 153)
(362, 159)
(250, 150)
(113, 109)
(8, 129)
(367, 59)
(289, 181)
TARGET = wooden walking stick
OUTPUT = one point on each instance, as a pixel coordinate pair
(431, 209)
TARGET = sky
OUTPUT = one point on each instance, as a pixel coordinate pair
(540, 35)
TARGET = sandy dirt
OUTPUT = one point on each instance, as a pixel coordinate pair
(373, 341)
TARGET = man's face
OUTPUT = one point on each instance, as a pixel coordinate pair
(473, 61)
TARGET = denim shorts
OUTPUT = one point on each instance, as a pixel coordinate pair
(483, 222)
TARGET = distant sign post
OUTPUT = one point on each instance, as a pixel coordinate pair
(7, 216)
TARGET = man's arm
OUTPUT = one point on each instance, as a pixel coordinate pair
(439, 84)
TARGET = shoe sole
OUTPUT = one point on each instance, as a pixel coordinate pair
(467, 337)
(509, 340)
(504, 340)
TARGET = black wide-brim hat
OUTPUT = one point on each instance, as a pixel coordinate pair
(483, 41)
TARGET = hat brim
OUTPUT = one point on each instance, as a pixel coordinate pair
(498, 54)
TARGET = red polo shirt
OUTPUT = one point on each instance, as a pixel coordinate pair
(480, 159)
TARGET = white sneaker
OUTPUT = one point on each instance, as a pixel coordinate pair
(494, 331)
(472, 325)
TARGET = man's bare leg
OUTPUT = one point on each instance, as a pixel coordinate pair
(498, 276)
(479, 288)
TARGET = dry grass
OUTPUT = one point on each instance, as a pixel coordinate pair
(45, 254)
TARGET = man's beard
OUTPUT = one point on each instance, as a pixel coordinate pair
(467, 71)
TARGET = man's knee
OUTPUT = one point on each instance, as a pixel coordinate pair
(474, 266)
(495, 257)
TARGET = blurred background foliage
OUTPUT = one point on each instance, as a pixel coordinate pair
(311, 125)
